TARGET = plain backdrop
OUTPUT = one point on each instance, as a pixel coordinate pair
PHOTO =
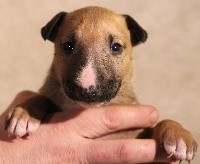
(168, 64)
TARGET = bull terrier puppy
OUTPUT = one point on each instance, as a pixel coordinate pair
(93, 66)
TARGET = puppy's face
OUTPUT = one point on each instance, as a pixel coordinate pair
(93, 51)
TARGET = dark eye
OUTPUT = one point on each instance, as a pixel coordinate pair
(116, 48)
(68, 47)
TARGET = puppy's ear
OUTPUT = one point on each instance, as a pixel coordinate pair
(50, 30)
(138, 34)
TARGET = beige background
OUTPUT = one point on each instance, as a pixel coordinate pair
(168, 65)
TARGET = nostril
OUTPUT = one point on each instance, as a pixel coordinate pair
(91, 88)
(89, 93)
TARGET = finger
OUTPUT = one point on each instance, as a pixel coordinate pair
(121, 151)
(124, 151)
(96, 122)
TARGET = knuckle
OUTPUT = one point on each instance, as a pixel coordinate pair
(125, 153)
(112, 119)
(122, 153)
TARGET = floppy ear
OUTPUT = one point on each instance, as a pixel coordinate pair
(138, 34)
(50, 30)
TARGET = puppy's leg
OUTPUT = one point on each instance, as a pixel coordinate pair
(25, 118)
(176, 141)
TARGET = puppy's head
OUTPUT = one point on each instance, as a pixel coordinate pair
(93, 51)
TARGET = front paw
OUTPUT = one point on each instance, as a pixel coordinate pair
(178, 143)
(19, 123)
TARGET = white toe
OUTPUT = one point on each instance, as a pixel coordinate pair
(32, 127)
(12, 125)
(20, 129)
(181, 150)
(169, 147)
(189, 156)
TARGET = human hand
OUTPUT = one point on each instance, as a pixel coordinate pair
(71, 137)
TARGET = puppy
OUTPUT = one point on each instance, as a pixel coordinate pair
(93, 66)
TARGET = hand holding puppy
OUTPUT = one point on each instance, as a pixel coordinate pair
(71, 138)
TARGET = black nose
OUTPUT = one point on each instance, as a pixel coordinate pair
(100, 93)
(89, 93)
(78, 93)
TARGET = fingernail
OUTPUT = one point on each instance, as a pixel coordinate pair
(154, 116)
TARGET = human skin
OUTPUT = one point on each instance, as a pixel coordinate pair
(71, 138)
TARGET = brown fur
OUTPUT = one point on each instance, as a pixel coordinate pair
(92, 40)
(97, 33)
